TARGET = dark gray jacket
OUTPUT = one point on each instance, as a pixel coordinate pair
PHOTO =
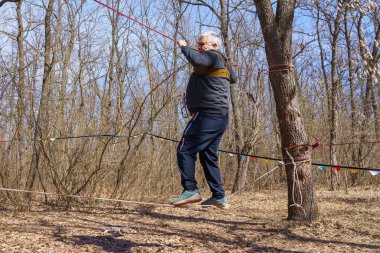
(205, 93)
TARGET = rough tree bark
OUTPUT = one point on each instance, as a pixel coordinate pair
(371, 59)
(40, 131)
(351, 79)
(277, 30)
(334, 28)
(65, 72)
(20, 128)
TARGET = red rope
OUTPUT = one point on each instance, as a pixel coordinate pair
(352, 143)
(274, 68)
(319, 144)
(136, 21)
(246, 68)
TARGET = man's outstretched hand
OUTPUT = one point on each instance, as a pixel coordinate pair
(182, 43)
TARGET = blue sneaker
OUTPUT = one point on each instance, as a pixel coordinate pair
(187, 197)
(221, 203)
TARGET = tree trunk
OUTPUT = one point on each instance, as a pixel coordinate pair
(174, 108)
(40, 131)
(120, 96)
(370, 103)
(240, 179)
(335, 30)
(353, 106)
(20, 128)
(65, 67)
(277, 31)
(333, 24)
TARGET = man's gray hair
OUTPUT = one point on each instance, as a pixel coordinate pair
(212, 38)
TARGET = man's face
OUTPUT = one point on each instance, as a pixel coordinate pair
(203, 45)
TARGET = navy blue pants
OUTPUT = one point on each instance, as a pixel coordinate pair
(202, 135)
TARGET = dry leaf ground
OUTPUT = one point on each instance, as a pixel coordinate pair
(256, 222)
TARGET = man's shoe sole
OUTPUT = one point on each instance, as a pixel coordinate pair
(187, 201)
(223, 206)
(218, 206)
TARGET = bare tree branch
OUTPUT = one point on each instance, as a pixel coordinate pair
(2, 2)
(203, 3)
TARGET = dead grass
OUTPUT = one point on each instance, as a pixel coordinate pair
(256, 222)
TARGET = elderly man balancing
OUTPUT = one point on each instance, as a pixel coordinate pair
(207, 101)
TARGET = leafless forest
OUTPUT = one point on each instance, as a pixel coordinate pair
(81, 86)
